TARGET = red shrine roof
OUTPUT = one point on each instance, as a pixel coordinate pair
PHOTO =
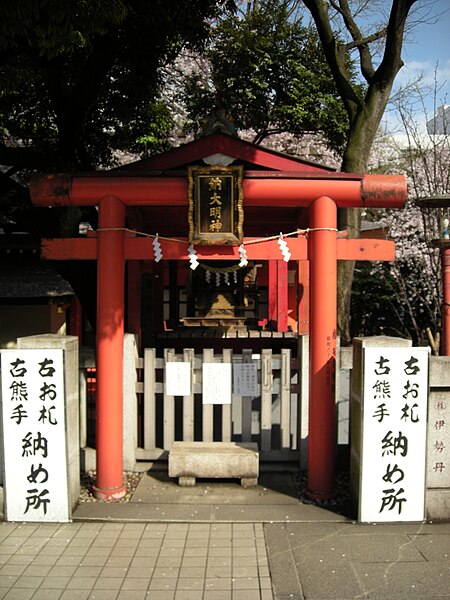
(254, 157)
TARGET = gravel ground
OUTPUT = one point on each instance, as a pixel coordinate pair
(340, 503)
(88, 479)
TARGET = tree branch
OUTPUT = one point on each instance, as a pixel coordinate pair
(365, 57)
(392, 62)
(334, 54)
(366, 40)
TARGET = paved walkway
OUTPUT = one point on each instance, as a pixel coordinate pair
(220, 542)
(134, 561)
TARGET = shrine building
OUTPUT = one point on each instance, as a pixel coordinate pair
(217, 244)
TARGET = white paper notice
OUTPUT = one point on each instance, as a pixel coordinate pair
(178, 378)
(216, 383)
(394, 434)
(36, 481)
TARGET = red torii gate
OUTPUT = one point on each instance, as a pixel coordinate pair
(322, 193)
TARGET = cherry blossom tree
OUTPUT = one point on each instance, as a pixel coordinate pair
(408, 290)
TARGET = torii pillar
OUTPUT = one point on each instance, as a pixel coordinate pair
(322, 346)
(110, 334)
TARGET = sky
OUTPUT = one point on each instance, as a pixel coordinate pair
(426, 48)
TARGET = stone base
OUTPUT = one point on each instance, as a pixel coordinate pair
(438, 504)
(215, 460)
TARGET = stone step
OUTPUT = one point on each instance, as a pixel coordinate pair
(215, 460)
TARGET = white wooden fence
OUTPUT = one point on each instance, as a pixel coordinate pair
(271, 418)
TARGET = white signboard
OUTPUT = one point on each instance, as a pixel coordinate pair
(245, 379)
(178, 378)
(216, 386)
(395, 399)
(34, 435)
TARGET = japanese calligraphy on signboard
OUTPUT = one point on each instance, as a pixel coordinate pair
(34, 434)
(438, 475)
(216, 383)
(245, 379)
(216, 213)
(394, 434)
(178, 378)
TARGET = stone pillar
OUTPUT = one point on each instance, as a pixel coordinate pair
(130, 354)
(438, 440)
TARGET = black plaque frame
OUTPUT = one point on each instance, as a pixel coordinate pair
(216, 214)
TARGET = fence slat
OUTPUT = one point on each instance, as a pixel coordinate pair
(247, 405)
(266, 400)
(188, 401)
(169, 406)
(285, 398)
(226, 408)
(149, 399)
(208, 409)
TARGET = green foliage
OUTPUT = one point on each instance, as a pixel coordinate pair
(55, 27)
(268, 72)
(373, 303)
(80, 79)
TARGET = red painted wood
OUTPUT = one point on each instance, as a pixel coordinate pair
(76, 320)
(272, 293)
(445, 262)
(292, 314)
(110, 334)
(368, 190)
(142, 249)
(224, 144)
(303, 296)
(69, 249)
(158, 308)
(322, 349)
(282, 295)
(134, 275)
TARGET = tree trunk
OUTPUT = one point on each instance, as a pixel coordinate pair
(355, 160)
(365, 114)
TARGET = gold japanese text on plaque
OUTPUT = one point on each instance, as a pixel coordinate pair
(216, 214)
